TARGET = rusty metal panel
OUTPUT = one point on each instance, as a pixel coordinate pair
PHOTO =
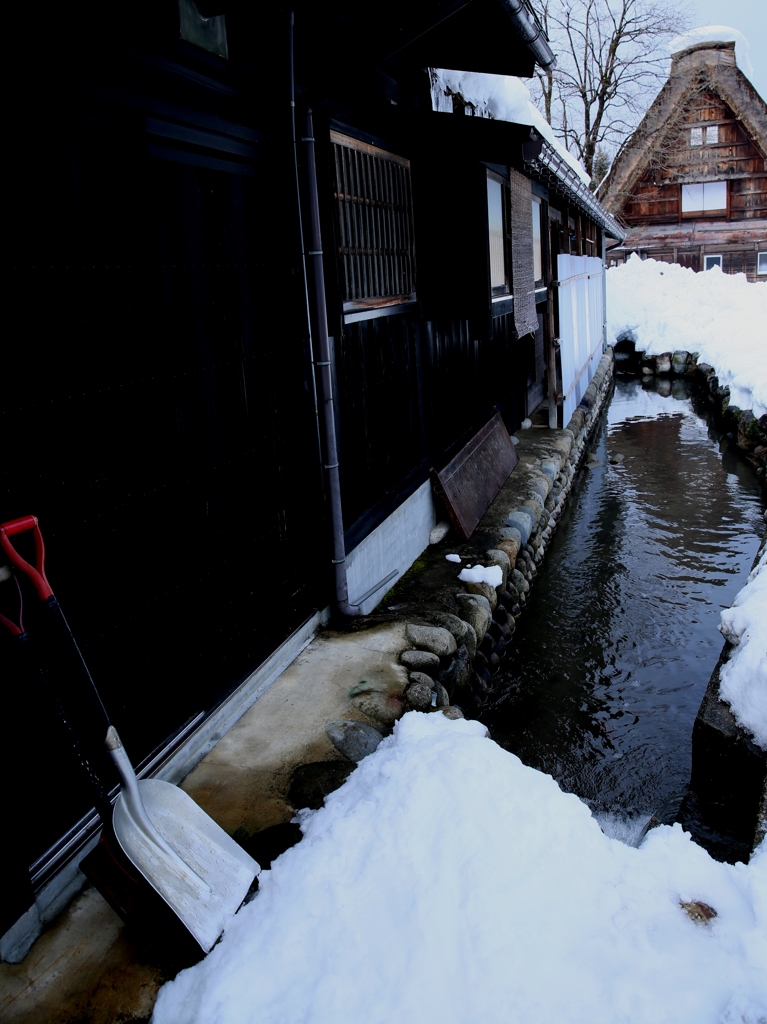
(470, 481)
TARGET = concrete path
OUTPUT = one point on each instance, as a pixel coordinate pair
(86, 967)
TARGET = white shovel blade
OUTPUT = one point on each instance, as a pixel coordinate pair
(225, 868)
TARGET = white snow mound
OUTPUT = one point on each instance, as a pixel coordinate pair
(743, 678)
(720, 316)
(492, 575)
(446, 881)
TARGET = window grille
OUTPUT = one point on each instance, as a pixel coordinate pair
(696, 136)
(375, 223)
(712, 134)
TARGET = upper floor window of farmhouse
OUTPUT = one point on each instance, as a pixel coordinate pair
(704, 197)
(498, 229)
(375, 224)
(709, 134)
(761, 263)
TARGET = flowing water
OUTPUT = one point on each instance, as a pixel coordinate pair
(612, 657)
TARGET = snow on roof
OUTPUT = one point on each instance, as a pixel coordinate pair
(717, 34)
(504, 98)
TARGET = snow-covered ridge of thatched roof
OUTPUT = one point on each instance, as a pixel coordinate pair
(716, 34)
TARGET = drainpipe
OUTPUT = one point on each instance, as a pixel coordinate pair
(301, 231)
(313, 257)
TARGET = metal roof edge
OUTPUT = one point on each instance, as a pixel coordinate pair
(551, 169)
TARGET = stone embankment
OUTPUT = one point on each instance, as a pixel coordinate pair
(458, 633)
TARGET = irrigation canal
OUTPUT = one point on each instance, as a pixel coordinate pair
(619, 641)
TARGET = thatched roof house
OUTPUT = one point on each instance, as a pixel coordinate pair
(691, 182)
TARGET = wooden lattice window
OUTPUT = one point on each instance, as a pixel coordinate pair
(375, 224)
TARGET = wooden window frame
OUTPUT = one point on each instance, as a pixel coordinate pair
(501, 293)
(540, 282)
(374, 221)
(722, 211)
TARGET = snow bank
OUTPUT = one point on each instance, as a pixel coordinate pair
(717, 34)
(504, 98)
(445, 881)
(720, 316)
(744, 676)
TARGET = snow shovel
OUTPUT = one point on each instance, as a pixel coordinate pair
(192, 864)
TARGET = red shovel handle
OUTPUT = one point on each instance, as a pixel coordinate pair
(36, 573)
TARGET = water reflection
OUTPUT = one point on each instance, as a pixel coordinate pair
(611, 660)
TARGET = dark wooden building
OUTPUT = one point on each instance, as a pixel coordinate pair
(192, 268)
(691, 182)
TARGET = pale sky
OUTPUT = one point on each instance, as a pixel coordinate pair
(750, 18)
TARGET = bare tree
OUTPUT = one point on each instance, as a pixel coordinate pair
(611, 61)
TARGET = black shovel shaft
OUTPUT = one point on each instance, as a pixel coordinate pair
(81, 694)
(97, 788)
(79, 671)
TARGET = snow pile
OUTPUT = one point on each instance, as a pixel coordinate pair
(492, 575)
(502, 97)
(744, 676)
(453, 558)
(665, 307)
(445, 881)
(717, 34)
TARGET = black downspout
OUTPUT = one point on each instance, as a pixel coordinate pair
(301, 236)
(316, 295)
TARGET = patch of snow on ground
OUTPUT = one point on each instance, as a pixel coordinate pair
(492, 575)
(504, 98)
(717, 34)
(744, 676)
(446, 881)
(720, 316)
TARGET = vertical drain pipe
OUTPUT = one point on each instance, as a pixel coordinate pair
(301, 236)
(320, 317)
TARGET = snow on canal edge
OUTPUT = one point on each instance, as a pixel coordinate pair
(446, 881)
(722, 317)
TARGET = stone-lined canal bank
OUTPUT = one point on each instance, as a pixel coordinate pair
(461, 635)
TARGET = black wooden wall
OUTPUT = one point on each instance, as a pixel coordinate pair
(157, 411)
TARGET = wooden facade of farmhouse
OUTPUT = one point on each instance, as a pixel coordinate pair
(691, 183)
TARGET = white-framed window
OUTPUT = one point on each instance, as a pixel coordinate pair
(704, 197)
(712, 134)
(537, 242)
(498, 234)
(709, 262)
(696, 136)
(761, 263)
